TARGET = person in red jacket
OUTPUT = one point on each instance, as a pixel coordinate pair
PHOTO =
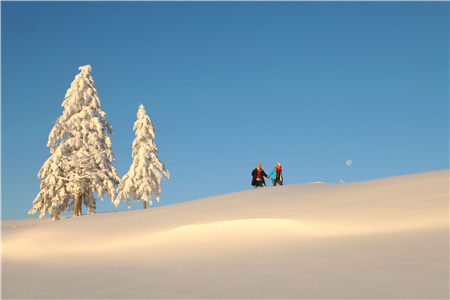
(258, 177)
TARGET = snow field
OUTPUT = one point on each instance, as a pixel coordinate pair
(379, 239)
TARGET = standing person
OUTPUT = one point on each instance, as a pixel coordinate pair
(276, 175)
(258, 177)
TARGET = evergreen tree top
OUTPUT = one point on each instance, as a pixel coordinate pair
(85, 69)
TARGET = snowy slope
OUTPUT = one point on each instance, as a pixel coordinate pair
(385, 238)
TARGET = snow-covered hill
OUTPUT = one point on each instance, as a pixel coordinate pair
(385, 238)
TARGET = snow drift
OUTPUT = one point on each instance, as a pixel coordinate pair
(385, 238)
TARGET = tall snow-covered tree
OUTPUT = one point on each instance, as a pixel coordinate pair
(81, 163)
(144, 177)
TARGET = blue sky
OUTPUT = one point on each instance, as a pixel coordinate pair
(229, 85)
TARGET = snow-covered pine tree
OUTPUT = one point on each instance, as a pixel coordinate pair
(81, 163)
(144, 177)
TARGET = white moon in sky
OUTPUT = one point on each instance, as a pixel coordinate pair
(349, 162)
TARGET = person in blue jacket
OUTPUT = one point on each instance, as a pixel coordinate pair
(276, 175)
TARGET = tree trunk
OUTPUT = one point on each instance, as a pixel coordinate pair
(145, 204)
(80, 205)
(77, 205)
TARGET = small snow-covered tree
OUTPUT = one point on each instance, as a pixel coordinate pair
(81, 163)
(144, 177)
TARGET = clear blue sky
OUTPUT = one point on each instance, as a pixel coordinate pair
(229, 85)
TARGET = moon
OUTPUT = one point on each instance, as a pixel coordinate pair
(349, 162)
